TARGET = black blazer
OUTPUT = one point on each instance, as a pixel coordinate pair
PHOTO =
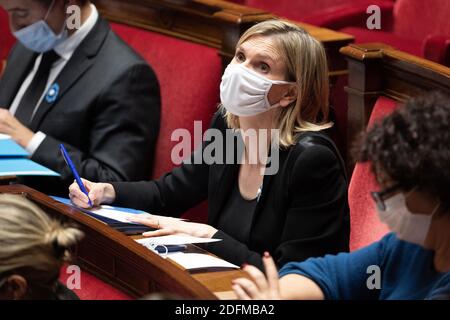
(107, 112)
(302, 212)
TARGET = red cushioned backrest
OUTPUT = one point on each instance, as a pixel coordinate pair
(294, 9)
(297, 10)
(189, 75)
(91, 288)
(416, 19)
(7, 40)
(366, 227)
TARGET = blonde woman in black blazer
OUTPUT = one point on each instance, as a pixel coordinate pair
(297, 213)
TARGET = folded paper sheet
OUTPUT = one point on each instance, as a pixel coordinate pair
(193, 261)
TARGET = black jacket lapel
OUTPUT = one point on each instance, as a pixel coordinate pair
(82, 59)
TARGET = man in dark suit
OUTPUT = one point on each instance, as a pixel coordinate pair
(82, 87)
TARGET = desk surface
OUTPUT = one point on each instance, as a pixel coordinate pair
(120, 261)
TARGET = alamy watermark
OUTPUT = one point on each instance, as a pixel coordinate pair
(73, 21)
(374, 20)
(374, 280)
(74, 277)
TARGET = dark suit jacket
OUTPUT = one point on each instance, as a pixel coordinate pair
(302, 212)
(107, 112)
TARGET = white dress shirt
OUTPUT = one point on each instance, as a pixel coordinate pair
(65, 50)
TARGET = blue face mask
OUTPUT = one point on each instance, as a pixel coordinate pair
(39, 37)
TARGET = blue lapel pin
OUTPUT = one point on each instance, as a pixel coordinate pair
(52, 93)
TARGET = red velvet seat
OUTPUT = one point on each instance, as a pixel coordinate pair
(334, 14)
(91, 288)
(366, 227)
(411, 46)
(189, 75)
(420, 27)
(7, 40)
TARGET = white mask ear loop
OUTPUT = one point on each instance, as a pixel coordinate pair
(438, 205)
(48, 13)
(49, 10)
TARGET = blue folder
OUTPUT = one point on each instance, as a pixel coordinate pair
(23, 167)
(10, 149)
(124, 227)
(14, 161)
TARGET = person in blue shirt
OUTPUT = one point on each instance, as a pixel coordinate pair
(410, 155)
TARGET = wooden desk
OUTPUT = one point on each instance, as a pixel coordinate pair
(7, 180)
(120, 261)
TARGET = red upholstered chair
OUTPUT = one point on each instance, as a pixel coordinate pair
(7, 40)
(189, 75)
(366, 227)
(334, 14)
(91, 288)
(421, 28)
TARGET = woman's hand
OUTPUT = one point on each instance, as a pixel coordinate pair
(260, 287)
(171, 226)
(99, 193)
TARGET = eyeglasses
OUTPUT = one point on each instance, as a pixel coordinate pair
(380, 197)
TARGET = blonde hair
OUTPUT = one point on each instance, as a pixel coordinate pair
(306, 64)
(30, 239)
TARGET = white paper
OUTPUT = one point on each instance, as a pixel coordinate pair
(121, 216)
(4, 136)
(173, 240)
(191, 261)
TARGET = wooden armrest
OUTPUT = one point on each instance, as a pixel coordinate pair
(376, 70)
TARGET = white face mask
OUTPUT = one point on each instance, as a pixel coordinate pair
(410, 227)
(39, 37)
(243, 92)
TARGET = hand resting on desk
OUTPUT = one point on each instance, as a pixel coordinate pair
(170, 226)
(104, 193)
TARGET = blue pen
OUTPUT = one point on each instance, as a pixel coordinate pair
(74, 172)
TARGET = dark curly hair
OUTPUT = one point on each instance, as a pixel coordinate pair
(412, 145)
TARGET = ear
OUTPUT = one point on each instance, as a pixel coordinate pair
(17, 287)
(289, 96)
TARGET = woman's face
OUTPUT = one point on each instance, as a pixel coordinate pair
(260, 54)
(416, 201)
